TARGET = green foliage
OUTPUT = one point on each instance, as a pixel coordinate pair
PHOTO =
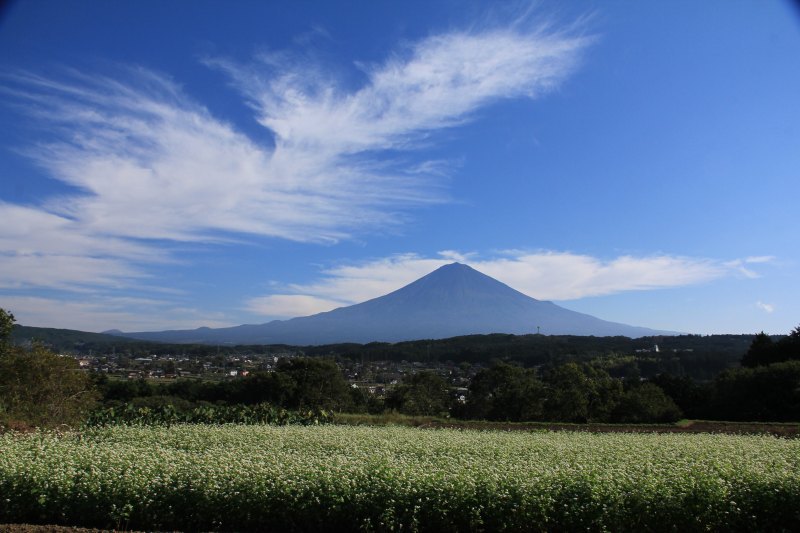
(701, 357)
(365, 402)
(6, 328)
(423, 393)
(40, 388)
(124, 390)
(566, 393)
(506, 392)
(166, 414)
(760, 351)
(298, 383)
(578, 391)
(690, 397)
(335, 478)
(580, 394)
(646, 403)
(767, 393)
(314, 383)
(37, 387)
(763, 351)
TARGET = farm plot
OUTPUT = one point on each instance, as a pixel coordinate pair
(267, 478)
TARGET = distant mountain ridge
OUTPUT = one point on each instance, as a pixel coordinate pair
(451, 301)
(25, 334)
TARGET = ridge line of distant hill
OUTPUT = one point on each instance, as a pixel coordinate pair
(481, 347)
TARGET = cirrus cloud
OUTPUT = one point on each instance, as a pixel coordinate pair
(147, 166)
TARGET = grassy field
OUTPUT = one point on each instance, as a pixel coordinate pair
(267, 478)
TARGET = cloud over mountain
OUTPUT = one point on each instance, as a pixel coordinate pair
(548, 275)
(453, 300)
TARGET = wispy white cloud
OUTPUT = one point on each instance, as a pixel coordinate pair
(767, 308)
(432, 84)
(290, 305)
(98, 313)
(760, 259)
(542, 275)
(41, 249)
(742, 266)
(568, 276)
(150, 166)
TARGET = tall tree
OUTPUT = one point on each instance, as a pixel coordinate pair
(6, 327)
(423, 393)
(506, 392)
(762, 351)
(317, 383)
(646, 403)
(789, 346)
(568, 396)
(38, 387)
(766, 393)
(690, 397)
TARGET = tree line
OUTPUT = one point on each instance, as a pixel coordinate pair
(43, 389)
(569, 392)
(766, 387)
(700, 357)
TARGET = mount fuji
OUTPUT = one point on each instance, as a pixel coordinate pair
(450, 301)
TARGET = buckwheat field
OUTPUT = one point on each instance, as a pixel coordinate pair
(268, 478)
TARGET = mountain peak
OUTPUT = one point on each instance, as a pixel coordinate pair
(448, 285)
(455, 269)
(451, 268)
(455, 299)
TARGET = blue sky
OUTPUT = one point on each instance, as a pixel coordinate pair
(183, 164)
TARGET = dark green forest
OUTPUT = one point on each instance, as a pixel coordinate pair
(580, 391)
(571, 392)
(511, 378)
(700, 357)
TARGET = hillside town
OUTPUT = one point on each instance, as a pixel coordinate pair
(373, 377)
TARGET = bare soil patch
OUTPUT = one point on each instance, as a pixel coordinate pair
(30, 528)
(789, 430)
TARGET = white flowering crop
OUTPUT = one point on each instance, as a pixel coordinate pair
(267, 478)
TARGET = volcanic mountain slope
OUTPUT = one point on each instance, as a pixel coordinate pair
(453, 300)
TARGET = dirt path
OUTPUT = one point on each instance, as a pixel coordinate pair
(29, 528)
(699, 426)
